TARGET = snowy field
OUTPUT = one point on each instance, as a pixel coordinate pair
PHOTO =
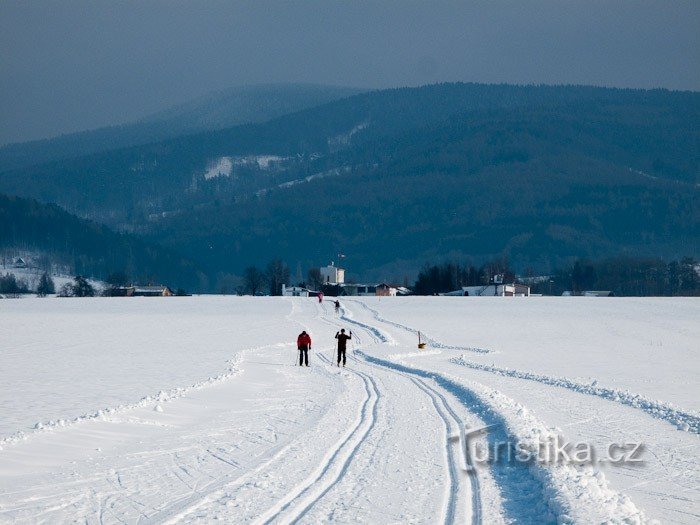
(187, 410)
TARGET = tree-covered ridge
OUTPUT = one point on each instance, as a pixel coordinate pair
(88, 248)
(541, 174)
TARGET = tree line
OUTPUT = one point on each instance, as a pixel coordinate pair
(12, 286)
(451, 276)
(624, 276)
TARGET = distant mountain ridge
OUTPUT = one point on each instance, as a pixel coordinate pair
(221, 109)
(395, 178)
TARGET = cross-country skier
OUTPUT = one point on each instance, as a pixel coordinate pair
(304, 345)
(342, 343)
(337, 306)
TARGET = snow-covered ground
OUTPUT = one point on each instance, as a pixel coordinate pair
(164, 410)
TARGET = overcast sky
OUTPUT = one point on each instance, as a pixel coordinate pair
(74, 65)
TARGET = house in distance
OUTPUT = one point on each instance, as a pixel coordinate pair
(142, 291)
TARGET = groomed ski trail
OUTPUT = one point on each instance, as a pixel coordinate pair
(333, 466)
(460, 503)
(682, 420)
(557, 494)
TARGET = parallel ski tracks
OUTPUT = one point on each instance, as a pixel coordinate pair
(333, 468)
(454, 454)
(453, 424)
(467, 465)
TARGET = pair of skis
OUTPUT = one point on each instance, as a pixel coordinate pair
(332, 356)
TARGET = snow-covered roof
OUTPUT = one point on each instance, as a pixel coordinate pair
(158, 288)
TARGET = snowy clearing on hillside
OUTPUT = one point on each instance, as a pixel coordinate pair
(220, 168)
(32, 276)
(224, 166)
(169, 410)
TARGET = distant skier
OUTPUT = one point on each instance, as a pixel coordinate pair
(337, 306)
(320, 297)
(342, 344)
(304, 345)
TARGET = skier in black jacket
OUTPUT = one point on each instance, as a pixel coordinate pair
(342, 344)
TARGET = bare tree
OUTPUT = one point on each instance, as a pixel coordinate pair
(253, 280)
(277, 275)
(315, 281)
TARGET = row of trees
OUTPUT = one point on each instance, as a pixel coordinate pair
(80, 287)
(256, 281)
(452, 276)
(627, 276)
(270, 280)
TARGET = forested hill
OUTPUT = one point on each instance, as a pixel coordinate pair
(90, 249)
(221, 109)
(398, 177)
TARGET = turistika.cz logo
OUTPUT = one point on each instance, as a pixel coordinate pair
(552, 450)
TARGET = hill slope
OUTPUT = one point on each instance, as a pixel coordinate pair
(89, 248)
(221, 109)
(397, 177)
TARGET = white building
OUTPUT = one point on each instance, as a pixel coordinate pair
(493, 290)
(332, 274)
(294, 291)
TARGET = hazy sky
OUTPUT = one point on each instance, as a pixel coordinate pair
(73, 65)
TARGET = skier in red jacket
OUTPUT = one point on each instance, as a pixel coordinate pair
(304, 345)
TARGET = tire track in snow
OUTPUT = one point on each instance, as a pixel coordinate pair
(335, 464)
(658, 409)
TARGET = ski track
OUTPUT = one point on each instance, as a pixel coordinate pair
(296, 504)
(682, 420)
(466, 460)
(658, 409)
(520, 487)
(182, 507)
(531, 493)
(433, 342)
(335, 464)
(452, 424)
